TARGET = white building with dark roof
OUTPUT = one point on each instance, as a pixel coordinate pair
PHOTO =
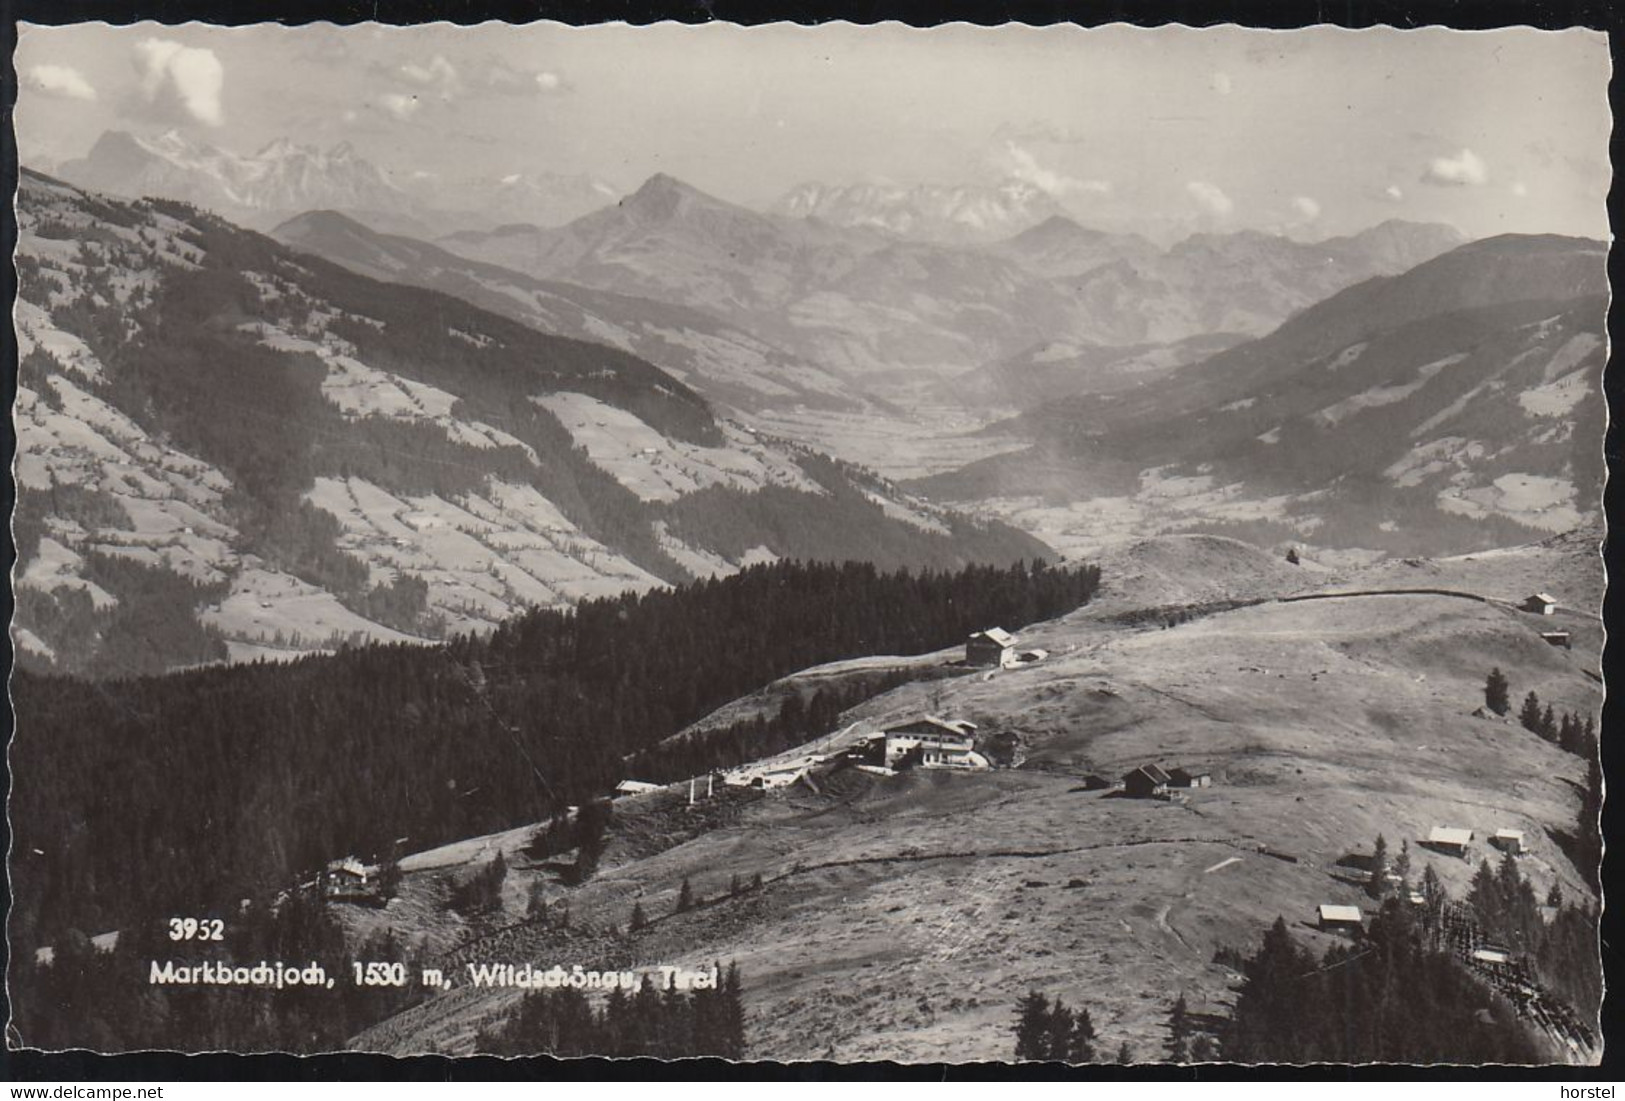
(937, 742)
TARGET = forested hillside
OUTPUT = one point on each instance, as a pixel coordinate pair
(235, 781)
(297, 456)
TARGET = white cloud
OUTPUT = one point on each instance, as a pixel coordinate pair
(438, 74)
(1019, 163)
(1222, 83)
(1465, 168)
(1393, 193)
(1306, 207)
(60, 80)
(401, 106)
(1210, 198)
(499, 76)
(181, 81)
(1520, 189)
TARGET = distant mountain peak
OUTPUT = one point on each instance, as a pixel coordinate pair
(1057, 225)
(663, 197)
(280, 147)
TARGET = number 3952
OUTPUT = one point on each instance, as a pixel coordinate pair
(196, 929)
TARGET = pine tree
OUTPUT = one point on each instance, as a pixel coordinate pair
(1081, 1047)
(1432, 888)
(734, 885)
(389, 873)
(756, 882)
(1032, 1026)
(1402, 868)
(1125, 1054)
(1495, 692)
(1548, 724)
(1554, 897)
(1377, 884)
(638, 918)
(1530, 715)
(685, 898)
(536, 907)
(1568, 732)
(1058, 1044)
(733, 1015)
(1179, 1032)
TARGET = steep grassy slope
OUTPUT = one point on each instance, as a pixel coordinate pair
(901, 918)
(725, 364)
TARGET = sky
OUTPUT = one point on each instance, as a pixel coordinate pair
(1166, 130)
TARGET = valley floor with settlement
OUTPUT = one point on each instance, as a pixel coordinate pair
(902, 917)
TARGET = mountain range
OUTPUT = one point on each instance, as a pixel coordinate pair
(860, 300)
(228, 448)
(284, 178)
(862, 279)
(1454, 407)
(943, 213)
(256, 189)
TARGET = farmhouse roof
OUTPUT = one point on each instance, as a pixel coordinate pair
(1448, 835)
(957, 728)
(1509, 834)
(998, 635)
(1329, 912)
(1544, 598)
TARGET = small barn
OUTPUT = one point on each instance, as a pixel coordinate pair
(349, 878)
(1540, 604)
(1339, 919)
(1508, 840)
(1450, 840)
(1557, 638)
(634, 787)
(1145, 782)
(1491, 954)
(1188, 778)
(994, 646)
